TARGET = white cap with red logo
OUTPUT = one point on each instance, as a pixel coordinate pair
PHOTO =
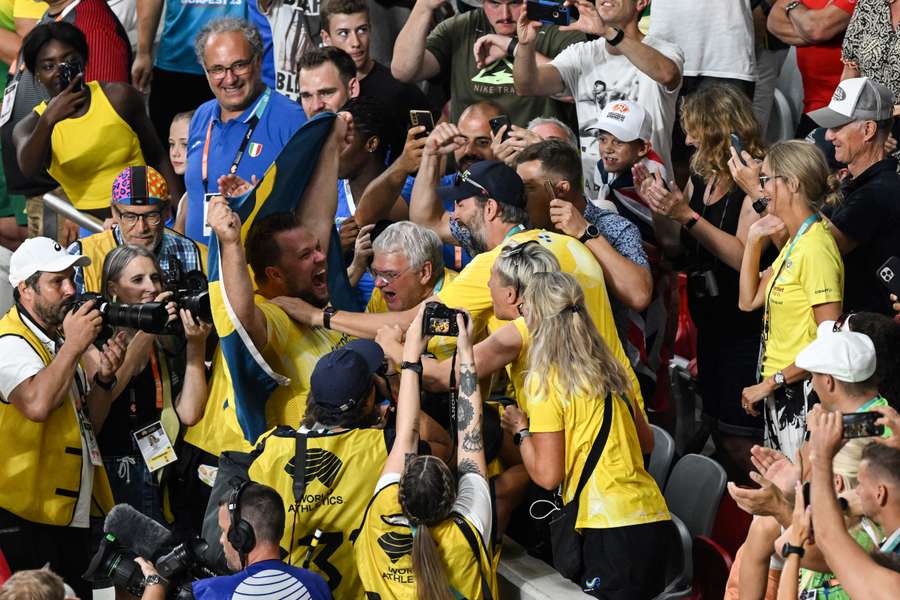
(626, 120)
(41, 255)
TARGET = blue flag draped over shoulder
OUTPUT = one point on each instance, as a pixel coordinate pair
(280, 190)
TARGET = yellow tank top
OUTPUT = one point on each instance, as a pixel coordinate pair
(383, 553)
(88, 152)
(340, 473)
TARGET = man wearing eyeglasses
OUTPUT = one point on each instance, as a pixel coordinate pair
(243, 129)
(140, 200)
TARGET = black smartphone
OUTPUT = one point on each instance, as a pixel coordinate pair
(422, 117)
(738, 146)
(69, 71)
(497, 123)
(760, 205)
(857, 425)
(550, 13)
(889, 274)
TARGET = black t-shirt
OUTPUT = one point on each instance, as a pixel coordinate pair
(870, 216)
(133, 409)
(397, 99)
(717, 314)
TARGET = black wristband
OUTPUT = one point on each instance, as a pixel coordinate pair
(511, 49)
(106, 385)
(412, 366)
(620, 35)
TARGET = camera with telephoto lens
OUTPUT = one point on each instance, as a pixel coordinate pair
(439, 319)
(703, 284)
(190, 291)
(180, 566)
(150, 317)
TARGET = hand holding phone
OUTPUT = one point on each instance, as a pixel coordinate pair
(857, 425)
(551, 13)
(423, 118)
(738, 146)
(497, 124)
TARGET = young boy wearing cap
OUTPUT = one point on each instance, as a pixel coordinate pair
(623, 136)
(55, 396)
(346, 445)
(865, 224)
(140, 201)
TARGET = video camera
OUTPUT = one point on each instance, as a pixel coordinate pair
(129, 534)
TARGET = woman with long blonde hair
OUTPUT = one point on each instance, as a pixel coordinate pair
(576, 388)
(715, 214)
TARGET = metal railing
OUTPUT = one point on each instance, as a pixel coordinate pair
(63, 208)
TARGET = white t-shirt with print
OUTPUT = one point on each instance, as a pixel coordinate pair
(594, 77)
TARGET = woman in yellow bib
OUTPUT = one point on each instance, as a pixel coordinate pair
(802, 288)
(425, 536)
(89, 131)
(579, 433)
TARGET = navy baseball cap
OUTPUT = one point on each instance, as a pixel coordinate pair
(487, 179)
(342, 378)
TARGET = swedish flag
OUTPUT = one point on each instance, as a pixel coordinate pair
(280, 190)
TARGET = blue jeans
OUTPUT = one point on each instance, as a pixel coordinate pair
(132, 483)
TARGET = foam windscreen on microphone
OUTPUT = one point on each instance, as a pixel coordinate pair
(138, 532)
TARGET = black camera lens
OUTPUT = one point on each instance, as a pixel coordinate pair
(116, 564)
(150, 317)
(198, 305)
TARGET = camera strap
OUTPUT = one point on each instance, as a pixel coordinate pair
(299, 482)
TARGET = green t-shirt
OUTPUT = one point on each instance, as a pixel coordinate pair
(825, 586)
(452, 42)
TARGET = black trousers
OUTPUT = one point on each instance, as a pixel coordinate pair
(626, 563)
(171, 93)
(28, 545)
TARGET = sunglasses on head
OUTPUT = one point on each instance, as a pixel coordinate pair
(465, 177)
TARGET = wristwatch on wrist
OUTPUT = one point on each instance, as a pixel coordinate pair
(620, 35)
(412, 366)
(521, 435)
(778, 378)
(153, 580)
(327, 313)
(791, 6)
(590, 233)
(788, 548)
(511, 49)
(106, 385)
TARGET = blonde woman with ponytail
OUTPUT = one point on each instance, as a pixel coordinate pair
(802, 288)
(625, 525)
(426, 532)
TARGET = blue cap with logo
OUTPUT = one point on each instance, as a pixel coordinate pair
(342, 378)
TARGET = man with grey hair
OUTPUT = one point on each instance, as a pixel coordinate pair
(408, 267)
(243, 129)
(551, 128)
(865, 223)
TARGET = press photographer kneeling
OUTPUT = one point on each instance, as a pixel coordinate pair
(166, 336)
(56, 392)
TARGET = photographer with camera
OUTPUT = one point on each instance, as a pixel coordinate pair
(140, 205)
(252, 519)
(56, 390)
(161, 383)
(88, 131)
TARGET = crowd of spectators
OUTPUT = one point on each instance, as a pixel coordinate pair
(495, 233)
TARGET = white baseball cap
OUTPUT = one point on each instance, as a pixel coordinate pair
(846, 355)
(626, 120)
(41, 255)
(857, 99)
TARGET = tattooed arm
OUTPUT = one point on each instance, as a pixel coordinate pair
(470, 442)
(406, 441)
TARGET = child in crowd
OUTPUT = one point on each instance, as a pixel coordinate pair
(178, 139)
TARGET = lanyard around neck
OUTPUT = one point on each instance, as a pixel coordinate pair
(253, 121)
(513, 231)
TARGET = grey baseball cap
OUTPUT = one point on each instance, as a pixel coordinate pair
(857, 99)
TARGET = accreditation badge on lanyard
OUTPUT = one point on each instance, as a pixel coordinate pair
(155, 446)
(84, 424)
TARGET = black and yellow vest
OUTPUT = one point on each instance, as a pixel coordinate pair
(340, 473)
(383, 553)
(40, 474)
